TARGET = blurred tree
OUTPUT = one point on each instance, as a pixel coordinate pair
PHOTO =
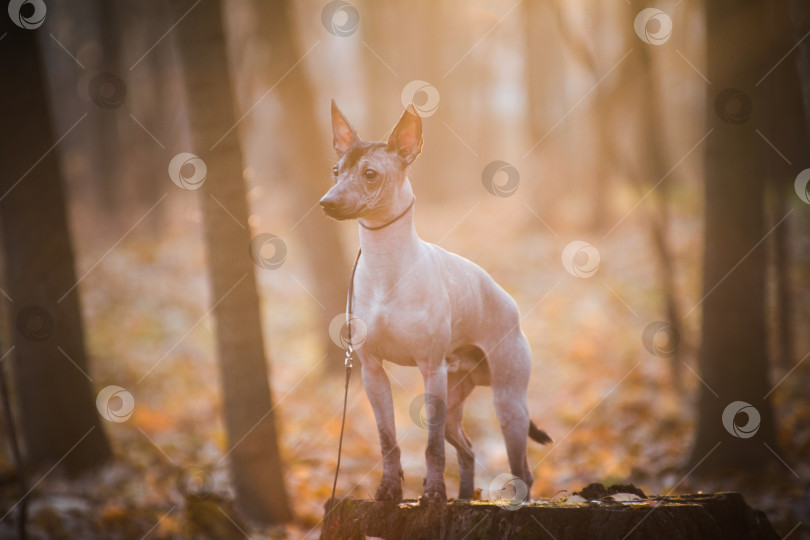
(799, 12)
(377, 77)
(800, 18)
(733, 357)
(76, 25)
(153, 91)
(58, 418)
(106, 150)
(653, 152)
(546, 43)
(639, 80)
(786, 129)
(607, 156)
(544, 65)
(308, 162)
(250, 424)
(389, 67)
(105, 185)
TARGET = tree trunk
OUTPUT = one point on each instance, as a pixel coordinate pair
(56, 401)
(378, 80)
(653, 135)
(733, 358)
(153, 88)
(107, 148)
(605, 165)
(309, 165)
(783, 293)
(544, 56)
(787, 130)
(653, 168)
(255, 459)
(800, 18)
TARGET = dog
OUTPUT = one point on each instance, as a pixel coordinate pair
(429, 308)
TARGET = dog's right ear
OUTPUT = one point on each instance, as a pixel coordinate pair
(343, 134)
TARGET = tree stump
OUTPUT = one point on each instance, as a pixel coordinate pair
(711, 516)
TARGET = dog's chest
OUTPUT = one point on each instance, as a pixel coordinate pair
(402, 328)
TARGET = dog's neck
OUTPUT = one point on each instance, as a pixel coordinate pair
(393, 244)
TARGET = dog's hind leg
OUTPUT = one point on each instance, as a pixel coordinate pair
(510, 366)
(459, 387)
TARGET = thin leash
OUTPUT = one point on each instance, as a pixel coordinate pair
(350, 353)
(348, 363)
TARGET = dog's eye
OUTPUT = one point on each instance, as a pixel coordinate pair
(335, 170)
(370, 174)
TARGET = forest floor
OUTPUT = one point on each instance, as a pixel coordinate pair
(613, 409)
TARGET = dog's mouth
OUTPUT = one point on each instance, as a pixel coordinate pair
(342, 214)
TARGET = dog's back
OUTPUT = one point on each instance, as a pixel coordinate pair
(481, 309)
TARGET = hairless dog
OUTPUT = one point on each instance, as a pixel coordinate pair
(428, 308)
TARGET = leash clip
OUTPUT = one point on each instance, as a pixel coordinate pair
(349, 354)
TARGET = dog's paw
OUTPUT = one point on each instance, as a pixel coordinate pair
(434, 494)
(390, 490)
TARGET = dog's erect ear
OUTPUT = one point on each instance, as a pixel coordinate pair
(343, 134)
(406, 139)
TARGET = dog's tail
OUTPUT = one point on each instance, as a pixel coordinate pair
(537, 434)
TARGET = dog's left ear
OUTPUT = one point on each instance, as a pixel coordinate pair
(344, 136)
(406, 138)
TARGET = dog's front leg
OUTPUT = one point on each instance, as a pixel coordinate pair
(378, 390)
(436, 412)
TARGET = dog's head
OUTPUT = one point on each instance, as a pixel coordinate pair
(369, 175)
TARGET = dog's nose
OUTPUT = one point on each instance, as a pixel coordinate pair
(328, 204)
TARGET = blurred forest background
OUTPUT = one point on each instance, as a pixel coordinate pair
(169, 281)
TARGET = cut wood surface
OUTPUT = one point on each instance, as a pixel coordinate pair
(701, 516)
